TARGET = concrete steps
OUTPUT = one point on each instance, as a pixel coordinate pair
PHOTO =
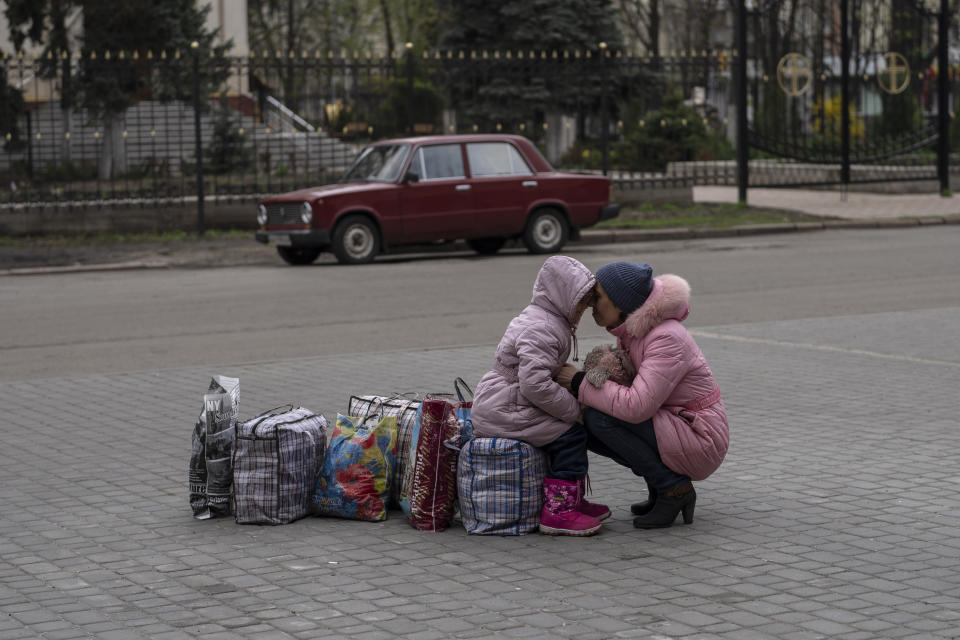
(159, 137)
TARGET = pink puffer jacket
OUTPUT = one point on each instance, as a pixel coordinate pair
(673, 385)
(519, 399)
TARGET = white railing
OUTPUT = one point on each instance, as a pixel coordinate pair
(285, 115)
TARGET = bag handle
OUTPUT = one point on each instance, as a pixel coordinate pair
(375, 411)
(459, 382)
(455, 443)
(271, 412)
(405, 396)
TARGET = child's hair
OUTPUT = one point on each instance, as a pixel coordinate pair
(589, 296)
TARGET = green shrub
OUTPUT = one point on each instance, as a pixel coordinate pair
(12, 108)
(674, 132)
(228, 151)
(384, 107)
(67, 171)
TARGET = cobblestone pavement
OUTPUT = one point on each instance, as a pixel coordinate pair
(835, 514)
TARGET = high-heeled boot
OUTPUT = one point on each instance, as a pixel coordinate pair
(681, 499)
(643, 508)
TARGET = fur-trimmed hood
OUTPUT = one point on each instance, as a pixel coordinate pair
(669, 300)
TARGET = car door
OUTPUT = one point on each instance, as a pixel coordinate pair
(439, 205)
(504, 187)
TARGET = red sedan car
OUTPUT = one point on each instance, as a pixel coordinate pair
(481, 188)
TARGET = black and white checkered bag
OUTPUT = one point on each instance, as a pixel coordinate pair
(276, 461)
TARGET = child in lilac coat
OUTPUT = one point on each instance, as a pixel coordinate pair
(520, 399)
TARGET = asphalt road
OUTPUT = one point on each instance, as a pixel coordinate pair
(80, 323)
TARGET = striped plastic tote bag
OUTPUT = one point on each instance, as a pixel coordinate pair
(500, 485)
(277, 459)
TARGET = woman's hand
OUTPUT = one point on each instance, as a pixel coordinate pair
(565, 375)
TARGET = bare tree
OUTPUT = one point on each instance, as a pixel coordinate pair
(387, 27)
(641, 18)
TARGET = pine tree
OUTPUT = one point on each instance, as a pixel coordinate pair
(505, 90)
(530, 24)
(108, 87)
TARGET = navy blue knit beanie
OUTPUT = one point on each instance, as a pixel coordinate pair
(627, 283)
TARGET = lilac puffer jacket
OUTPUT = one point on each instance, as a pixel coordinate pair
(519, 399)
(673, 385)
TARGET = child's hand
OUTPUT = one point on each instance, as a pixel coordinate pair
(565, 375)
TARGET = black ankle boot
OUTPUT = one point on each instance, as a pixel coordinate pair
(667, 506)
(643, 508)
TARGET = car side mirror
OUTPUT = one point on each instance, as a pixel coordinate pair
(411, 176)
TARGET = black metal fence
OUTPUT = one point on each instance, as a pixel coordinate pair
(843, 93)
(177, 127)
(278, 122)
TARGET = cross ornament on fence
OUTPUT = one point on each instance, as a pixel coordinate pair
(891, 80)
(795, 68)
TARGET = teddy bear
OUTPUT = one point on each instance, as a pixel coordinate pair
(607, 362)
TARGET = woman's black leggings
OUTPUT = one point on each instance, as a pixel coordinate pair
(633, 446)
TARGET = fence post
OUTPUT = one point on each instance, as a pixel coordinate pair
(410, 118)
(743, 166)
(943, 98)
(604, 115)
(844, 94)
(198, 142)
(29, 144)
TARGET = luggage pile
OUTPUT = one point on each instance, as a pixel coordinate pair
(411, 452)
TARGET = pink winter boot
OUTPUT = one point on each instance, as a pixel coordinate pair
(592, 509)
(559, 516)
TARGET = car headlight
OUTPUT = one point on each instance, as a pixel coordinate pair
(262, 214)
(307, 214)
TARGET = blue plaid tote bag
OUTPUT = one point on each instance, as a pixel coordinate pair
(277, 459)
(500, 486)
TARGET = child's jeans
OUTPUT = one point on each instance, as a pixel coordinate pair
(568, 454)
(633, 446)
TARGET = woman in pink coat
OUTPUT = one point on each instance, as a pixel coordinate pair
(669, 425)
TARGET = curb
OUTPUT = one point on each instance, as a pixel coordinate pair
(604, 236)
(83, 268)
(587, 237)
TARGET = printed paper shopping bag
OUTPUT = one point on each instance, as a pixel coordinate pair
(211, 457)
(355, 479)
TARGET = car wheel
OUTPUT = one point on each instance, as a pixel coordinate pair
(355, 240)
(486, 246)
(298, 255)
(546, 231)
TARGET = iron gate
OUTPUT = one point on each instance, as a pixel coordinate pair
(843, 91)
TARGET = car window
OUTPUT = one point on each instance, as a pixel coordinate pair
(496, 159)
(378, 162)
(439, 161)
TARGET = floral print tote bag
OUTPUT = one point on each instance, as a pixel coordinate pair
(357, 471)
